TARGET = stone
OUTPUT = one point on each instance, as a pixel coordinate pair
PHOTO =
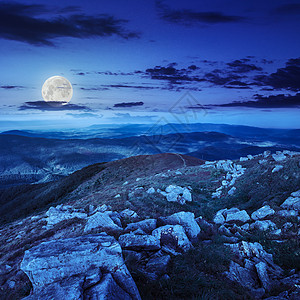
(150, 190)
(57, 269)
(128, 213)
(158, 264)
(186, 220)
(11, 284)
(240, 216)
(102, 221)
(277, 168)
(231, 191)
(262, 272)
(59, 213)
(224, 230)
(172, 236)
(263, 225)
(262, 213)
(291, 203)
(219, 217)
(178, 194)
(296, 194)
(278, 156)
(147, 226)
(287, 213)
(245, 226)
(131, 241)
(244, 158)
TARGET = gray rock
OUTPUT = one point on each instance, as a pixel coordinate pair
(231, 191)
(224, 230)
(239, 216)
(287, 213)
(219, 217)
(128, 213)
(103, 221)
(178, 194)
(158, 264)
(130, 241)
(291, 203)
(263, 225)
(186, 220)
(147, 226)
(278, 156)
(296, 194)
(151, 190)
(59, 267)
(59, 213)
(262, 213)
(173, 236)
(277, 168)
(262, 272)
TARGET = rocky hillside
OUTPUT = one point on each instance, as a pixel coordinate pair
(164, 226)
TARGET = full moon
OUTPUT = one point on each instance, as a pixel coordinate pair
(57, 89)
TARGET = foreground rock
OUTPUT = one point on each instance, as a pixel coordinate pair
(86, 267)
(178, 194)
(186, 220)
(262, 213)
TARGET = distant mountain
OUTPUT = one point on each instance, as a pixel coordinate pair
(26, 157)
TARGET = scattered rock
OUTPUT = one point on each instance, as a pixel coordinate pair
(131, 241)
(262, 213)
(263, 225)
(172, 236)
(186, 220)
(151, 190)
(103, 221)
(61, 213)
(237, 216)
(287, 213)
(128, 213)
(277, 168)
(147, 226)
(291, 203)
(262, 272)
(178, 194)
(279, 156)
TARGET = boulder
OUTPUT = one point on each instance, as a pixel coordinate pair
(279, 156)
(262, 272)
(131, 241)
(239, 216)
(262, 213)
(151, 190)
(263, 225)
(231, 191)
(147, 226)
(178, 194)
(129, 214)
(103, 221)
(172, 236)
(284, 213)
(70, 268)
(60, 213)
(277, 168)
(291, 203)
(186, 220)
(219, 217)
(158, 264)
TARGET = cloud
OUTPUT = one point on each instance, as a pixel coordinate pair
(219, 77)
(51, 106)
(11, 87)
(243, 66)
(288, 9)
(21, 22)
(284, 78)
(273, 101)
(190, 17)
(129, 104)
(129, 118)
(84, 115)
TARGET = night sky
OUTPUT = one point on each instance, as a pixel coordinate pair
(134, 61)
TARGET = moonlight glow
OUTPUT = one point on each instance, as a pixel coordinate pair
(57, 89)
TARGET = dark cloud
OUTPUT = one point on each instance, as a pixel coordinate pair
(51, 106)
(129, 104)
(21, 22)
(284, 78)
(172, 74)
(243, 66)
(189, 17)
(219, 77)
(11, 87)
(288, 9)
(273, 101)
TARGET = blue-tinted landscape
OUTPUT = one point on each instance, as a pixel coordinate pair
(149, 149)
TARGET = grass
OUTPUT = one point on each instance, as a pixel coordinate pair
(197, 274)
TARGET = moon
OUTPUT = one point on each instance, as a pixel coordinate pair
(57, 89)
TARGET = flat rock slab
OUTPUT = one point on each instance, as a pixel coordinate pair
(52, 264)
